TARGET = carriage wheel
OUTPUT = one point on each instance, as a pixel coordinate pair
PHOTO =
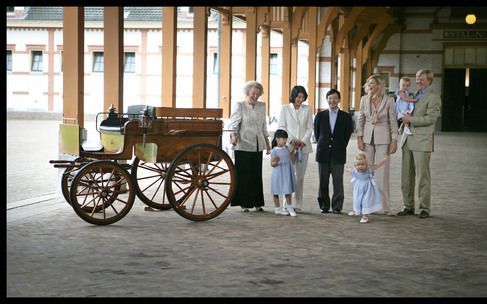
(150, 183)
(201, 182)
(102, 192)
(66, 180)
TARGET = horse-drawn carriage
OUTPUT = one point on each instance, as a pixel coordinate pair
(176, 162)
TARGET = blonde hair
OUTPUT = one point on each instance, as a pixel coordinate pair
(252, 84)
(360, 157)
(381, 85)
(405, 79)
(427, 72)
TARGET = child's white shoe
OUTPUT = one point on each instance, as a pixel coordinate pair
(407, 131)
(364, 220)
(291, 211)
(280, 211)
(351, 213)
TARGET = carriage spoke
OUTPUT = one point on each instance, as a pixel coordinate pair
(181, 171)
(213, 202)
(220, 183)
(95, 204)
(182, 190)
(152, 184)
(199, 173)
(215, 166)
(214, 190)
(157, 169)
(157, 190)
(194, 201)
(150, 176)
(202, 201)
(217, 174)
(208, 161)
(187, 196)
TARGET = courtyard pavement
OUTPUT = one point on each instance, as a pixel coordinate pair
(51, 252)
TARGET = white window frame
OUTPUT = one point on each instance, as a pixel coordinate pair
(273, 64)
(129, 65)
(98, 65)
(9, 60)
(215, 63)
(36, 61)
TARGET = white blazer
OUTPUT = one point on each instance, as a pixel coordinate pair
(298, 124)
(250, 124)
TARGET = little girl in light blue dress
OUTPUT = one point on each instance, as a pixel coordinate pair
(366, 194)
(283, 178)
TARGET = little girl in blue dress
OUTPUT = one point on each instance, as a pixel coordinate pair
(283, 178)
(366, 194)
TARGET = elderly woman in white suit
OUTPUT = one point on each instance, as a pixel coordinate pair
(297, 119)
(377, 131)
(249, 138)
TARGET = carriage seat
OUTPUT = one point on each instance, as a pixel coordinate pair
(113, 123)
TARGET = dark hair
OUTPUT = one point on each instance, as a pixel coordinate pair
(280, 133)
(295, 92)
(333, 91)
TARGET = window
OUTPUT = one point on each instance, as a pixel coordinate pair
(97, 61)
(9, 60)
(10, 9)
(274, 64)
(215, 63)
(129, 62)
(386, 75)
(36, 65)
(62, 64)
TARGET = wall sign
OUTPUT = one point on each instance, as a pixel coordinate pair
(465, 35)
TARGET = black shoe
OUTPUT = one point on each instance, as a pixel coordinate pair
(337, 212)
(324, 211)
(405, 211)
(423, 214)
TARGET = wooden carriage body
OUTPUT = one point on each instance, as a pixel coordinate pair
(177, 163)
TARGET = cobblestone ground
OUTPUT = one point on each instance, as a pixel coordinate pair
(51, 252)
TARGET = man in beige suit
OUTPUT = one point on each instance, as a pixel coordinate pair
(417, 148)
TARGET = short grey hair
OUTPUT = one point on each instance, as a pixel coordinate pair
(252, 84)
(428, 73)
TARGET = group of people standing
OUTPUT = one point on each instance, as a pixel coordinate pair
(379, 121)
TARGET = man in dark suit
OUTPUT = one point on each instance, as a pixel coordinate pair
(332, 129)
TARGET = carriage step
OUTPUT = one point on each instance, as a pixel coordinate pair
(55, 161)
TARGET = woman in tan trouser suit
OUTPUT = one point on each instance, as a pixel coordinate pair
(377, 131)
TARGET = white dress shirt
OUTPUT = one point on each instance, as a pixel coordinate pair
(333, 118)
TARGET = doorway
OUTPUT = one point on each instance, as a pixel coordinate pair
(464, 108)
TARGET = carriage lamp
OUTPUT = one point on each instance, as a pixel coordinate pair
(111, 110)
(145, 123)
